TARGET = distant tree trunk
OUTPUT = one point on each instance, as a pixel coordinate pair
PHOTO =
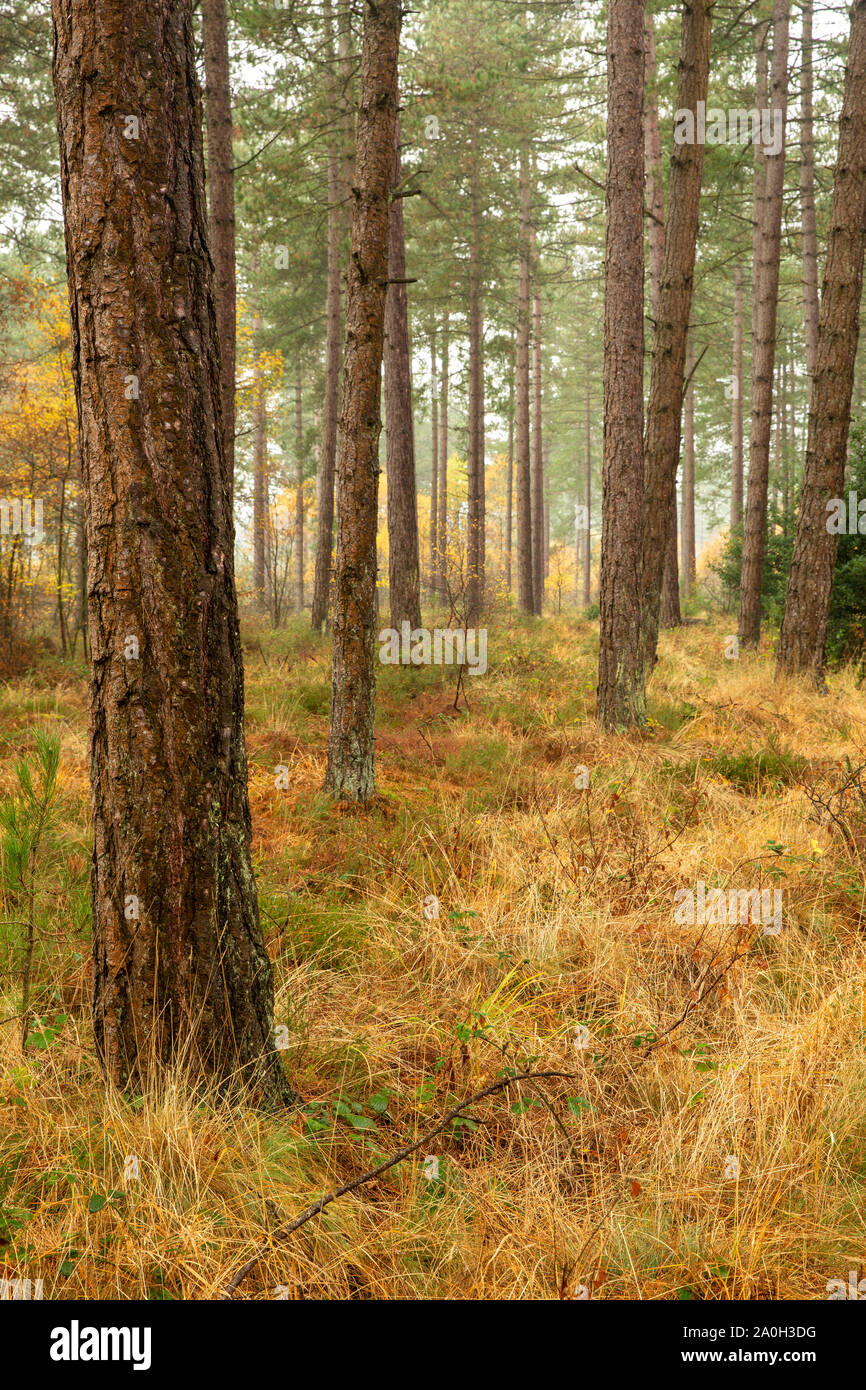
(803, 638)
(351, 769)
(299, 492)
(475, 463)
(525, 572)
(621, 698)
(442, 528)
(664, 409)
(404, 571)
(328, 452)
(587, 492)
(737, 405)
(545, 473)
(764, 347)
(669, 612)
(260, 508)
(807, 197)
(181, 976)
(81, 558)
(221, 183)
(434, 463)
(537, 462)
(509, 504)
(688, 528)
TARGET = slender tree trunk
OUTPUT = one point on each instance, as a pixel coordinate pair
(587, 493)
(328, 452)
(545, 473)
(260, 510)
(689, 566)
(803, 638)
(351, 769)
(404, 573)
(509, 502)
(737, 405)
(299, 491)
(434, 463)
(764, 347)
(442, 528)
(807, 197)
(537, 461)
(621, 698)
(525, 572)
(180, 971)
(221, 224)
(664, 408)
(475, 508)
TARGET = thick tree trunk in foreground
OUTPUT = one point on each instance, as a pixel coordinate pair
(525, 586)
(764, 346)
(328, 455)
(351, 769)
(737, 404)
(221, 226)
(621, 699)
(404, 572)
(807, 198)
(804, 627)
(181, 974)
(664, 407)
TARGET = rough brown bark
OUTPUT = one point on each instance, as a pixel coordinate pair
(328, 453)
(181, 975)
(766, 294)
(537, 461)
(351, 769)
(221, 187)
(621, 698)
(807, 196)
(664, 408)
(803, 637)
(404, 574)
(737, 404)
(525, 585)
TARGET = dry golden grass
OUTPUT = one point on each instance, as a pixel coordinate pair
(706, 1044)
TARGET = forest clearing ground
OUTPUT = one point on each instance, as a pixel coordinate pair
(555, 915)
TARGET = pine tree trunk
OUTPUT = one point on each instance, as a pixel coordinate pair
(434, 464)
(537, 472)
(181, 975)
(475, 463)
(328, 452)
(664, 409)
(509, 502)
(221, 187)
(442, 528)
(803, 638)
(404, 574)
(807, 196)
(764, 347)
(299, 492)
(525, 584)
(260, 513)
(689, 566)
(351, 770)
(587, 493)
(737, 405)
(621, 698)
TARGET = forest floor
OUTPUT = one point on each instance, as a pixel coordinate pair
(709, 1138)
